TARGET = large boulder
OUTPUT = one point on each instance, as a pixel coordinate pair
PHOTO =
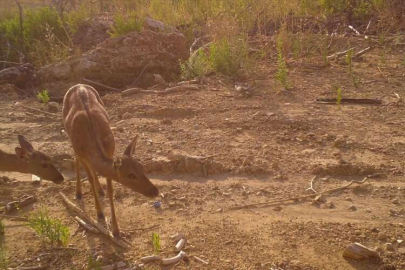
(118, 62)
(92, 32)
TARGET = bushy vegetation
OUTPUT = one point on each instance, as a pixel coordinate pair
(44, 35)
(50, 229)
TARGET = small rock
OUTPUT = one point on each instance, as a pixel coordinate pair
(308, 151)
(381, 236)
(352, 208)
(120, 265)
(321, 198)
(330, 205)
(167, 121)
(389, 247)
(395, 201)
(100, 259)
(359, 252)
(53, 107)
(277, 208)
(126, 115)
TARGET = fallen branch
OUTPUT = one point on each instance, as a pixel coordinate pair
(360, 53)
(200, 260)
(91, 221)
(14, 217)
(11, 206)
(85, 225)
(39, 111)
(179, 88)
(338, 54)
(297, 198)
(312, 185)
(135, 83)
(360, 101)
(39, 267)
(147, 228)
(100, 85)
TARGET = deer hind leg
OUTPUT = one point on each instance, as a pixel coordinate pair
(79, 193)
(91, 175)
(114, 223)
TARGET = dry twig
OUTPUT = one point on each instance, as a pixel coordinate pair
(297, 198)
(91, 221)
(312, 185)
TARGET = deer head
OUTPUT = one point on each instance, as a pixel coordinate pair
(131, 174)
(38, 163)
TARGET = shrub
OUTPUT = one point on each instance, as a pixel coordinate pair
(195, 66)
(43, 96)
(43, 38)
(124, 24)
(227, 58)
(49, 229)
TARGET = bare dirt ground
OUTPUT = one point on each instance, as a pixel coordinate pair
(255, 148)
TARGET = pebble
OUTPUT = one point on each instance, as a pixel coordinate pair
(381, 236)
(395, 201)
(321, 198)
(389, 247)
(352, 208)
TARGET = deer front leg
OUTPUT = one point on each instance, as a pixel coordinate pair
(91, 175)
(114, 223)
(79, 194)
(98, 186)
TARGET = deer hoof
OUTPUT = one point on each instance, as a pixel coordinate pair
(79, 196)
(101, 217)
(116, 234)
(101, 193)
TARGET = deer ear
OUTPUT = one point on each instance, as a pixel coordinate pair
(22, 153)
(25, 144)
(117, 163)
(130, 150)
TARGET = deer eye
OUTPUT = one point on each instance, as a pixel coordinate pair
(131, 176)
(44, 165)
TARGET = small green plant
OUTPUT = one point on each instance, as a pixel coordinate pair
(338, 96)
(43, 96)
(349, 61)
(49, 229)
(195, 66)
(156, 242)
(2, 228)
(124, 24)
(93, 264)
(3, 258)
(282, 71)
(228, 58)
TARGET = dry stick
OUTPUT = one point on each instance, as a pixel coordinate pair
(147, 228)
(91, 221)
(135, 83)
(39, 111)
(17, 218)
(85, 225)
(360, 53)
(339, 54)
(97, 84)
(312, 184)
(298, 198)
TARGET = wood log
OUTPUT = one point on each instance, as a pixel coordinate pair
(92, 222)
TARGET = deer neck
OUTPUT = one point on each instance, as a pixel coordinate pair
(104, 165)
(11, 163)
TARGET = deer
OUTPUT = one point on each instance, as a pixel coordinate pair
(86, 122)
(28, 160)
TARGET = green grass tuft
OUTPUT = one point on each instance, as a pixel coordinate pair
(50, 229)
